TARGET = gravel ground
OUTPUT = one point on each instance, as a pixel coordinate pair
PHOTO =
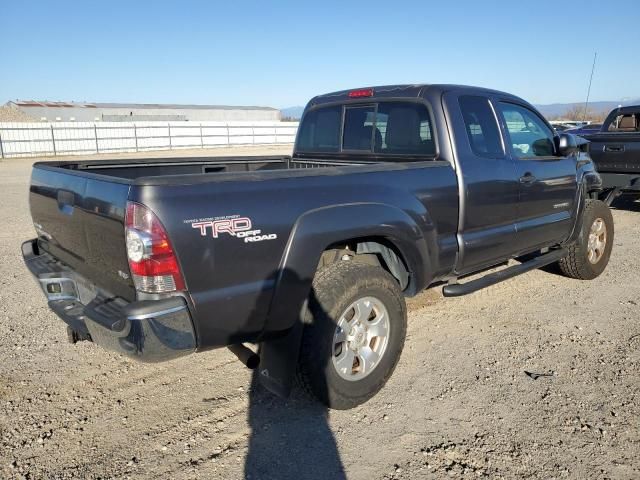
(460, 403)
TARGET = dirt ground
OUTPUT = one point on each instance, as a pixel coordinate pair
(460, 404)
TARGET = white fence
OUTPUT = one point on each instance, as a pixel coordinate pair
(82, 138)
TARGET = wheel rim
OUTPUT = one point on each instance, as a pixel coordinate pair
(361, 338)
(597, 240)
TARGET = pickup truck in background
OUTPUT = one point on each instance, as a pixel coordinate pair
(390, 190)
(615, 150)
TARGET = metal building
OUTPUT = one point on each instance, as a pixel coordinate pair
(127, 112)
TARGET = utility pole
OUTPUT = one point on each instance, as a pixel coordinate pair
(586, 103)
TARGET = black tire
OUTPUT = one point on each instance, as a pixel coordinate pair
(577, 264)
(335, 288)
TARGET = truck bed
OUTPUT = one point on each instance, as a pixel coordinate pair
(133, 169)
(79, 207)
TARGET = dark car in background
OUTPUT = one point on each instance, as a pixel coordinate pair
(615, 150)
(585, 129)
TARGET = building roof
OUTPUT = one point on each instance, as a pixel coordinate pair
(173, 106)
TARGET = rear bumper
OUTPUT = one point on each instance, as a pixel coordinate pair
(149, 330)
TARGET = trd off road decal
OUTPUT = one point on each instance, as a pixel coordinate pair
(233, 225)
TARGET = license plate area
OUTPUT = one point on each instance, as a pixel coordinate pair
(59, 288)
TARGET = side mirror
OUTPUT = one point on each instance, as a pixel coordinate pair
(566, 144)
(542, 147)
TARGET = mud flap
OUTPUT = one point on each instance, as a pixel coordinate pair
(279, 361)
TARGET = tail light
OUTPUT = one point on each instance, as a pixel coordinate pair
(152, 261)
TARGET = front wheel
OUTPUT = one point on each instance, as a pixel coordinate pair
(355, 328)
(589, 255)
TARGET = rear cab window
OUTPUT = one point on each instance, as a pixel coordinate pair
(403, 129)
(358, 127)
(625, 123)
(393, 128)
(320, 130)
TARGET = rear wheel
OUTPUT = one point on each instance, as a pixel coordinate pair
(354, 334)
(589, 255)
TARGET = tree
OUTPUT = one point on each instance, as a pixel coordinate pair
(578, 112)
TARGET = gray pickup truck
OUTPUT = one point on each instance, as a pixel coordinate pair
(616, 152)
(390, 190)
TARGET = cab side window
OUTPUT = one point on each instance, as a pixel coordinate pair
(529, 135)
(481, 126)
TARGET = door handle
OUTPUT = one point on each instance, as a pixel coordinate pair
(527, 179)
(614, 148)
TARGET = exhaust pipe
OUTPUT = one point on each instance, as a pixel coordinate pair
(247, 356)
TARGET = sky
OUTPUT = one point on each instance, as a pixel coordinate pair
(282, 53)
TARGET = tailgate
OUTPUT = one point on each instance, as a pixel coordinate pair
(79, 219)
(616, 152)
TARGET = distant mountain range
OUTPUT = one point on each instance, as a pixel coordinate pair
(555, 109)
(550, 110)
(292, 112)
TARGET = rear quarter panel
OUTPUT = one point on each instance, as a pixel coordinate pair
(231, 282)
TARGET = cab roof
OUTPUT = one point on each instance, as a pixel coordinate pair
(399, 91)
